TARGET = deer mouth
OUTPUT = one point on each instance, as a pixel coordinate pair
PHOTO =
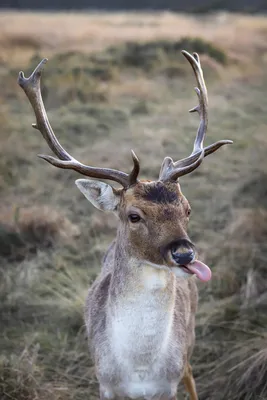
(199, 269)
(185, 269)
(188, 264)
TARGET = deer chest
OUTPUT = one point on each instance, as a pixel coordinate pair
(140, 333)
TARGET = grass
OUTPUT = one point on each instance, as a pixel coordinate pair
(119, 81)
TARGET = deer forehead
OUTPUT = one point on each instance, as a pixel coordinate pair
(155, 195)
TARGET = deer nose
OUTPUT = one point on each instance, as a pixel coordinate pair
(183, 258)
(182, 254)
(181, 251)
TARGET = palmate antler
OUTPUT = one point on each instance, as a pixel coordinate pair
(31, 87)
(171, 171)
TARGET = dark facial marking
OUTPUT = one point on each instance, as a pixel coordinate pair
(159, 193)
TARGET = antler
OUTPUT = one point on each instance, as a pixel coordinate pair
(31, 87)
(173, 170)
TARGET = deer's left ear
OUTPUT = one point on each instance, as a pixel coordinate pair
(100, 194)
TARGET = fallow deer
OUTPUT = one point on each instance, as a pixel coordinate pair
(140, 311)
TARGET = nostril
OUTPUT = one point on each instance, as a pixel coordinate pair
(183, 258)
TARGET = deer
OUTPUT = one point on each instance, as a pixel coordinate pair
(140, 311)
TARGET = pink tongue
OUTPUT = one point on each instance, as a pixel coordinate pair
(201, 270)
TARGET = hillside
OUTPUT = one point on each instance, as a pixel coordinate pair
(120, 82)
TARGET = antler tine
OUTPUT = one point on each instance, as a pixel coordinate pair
(173, 170)
(31, 87)
(202, 94)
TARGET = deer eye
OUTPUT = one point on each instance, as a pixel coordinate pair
(134, 218)
(188, 212)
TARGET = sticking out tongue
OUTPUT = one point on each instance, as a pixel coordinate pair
(201, 270)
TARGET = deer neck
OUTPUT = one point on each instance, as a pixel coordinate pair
(140, 312)
(133, 276)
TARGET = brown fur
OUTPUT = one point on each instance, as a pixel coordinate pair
(165, 223)
(123, 278)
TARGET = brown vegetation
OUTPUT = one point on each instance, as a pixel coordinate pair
(118, 81)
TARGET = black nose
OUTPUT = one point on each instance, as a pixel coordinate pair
(182, 251)
(183, 258)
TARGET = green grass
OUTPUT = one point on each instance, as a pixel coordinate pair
(52, 240)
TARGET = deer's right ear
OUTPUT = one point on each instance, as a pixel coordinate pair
(100, 194)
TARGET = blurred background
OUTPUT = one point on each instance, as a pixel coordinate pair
(115, 81)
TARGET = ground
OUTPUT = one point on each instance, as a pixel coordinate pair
(116, 82)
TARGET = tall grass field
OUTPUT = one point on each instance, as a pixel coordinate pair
(116, 82)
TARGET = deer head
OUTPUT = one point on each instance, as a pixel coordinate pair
(153, 214)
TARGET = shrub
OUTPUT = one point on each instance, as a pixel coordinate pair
(148, 55)
(30, 229)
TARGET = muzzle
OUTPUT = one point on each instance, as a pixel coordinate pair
(182, 251)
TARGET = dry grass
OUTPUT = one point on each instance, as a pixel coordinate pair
(24, 231)
(24, 34)
(131, 96)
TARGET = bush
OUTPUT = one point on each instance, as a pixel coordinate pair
(30, 229)
(152, 54)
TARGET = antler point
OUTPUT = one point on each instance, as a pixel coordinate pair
(46, 157)
(21, 78)
(194, 109)
(134, 156)
(196, 56)
(132, 179)
(41, 65)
